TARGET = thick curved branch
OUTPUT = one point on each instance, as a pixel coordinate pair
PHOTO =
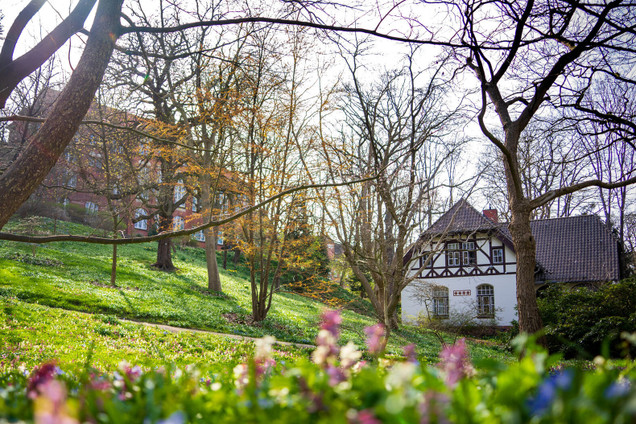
(14, 71)
(135, 240)
(553, 194)
(21, 21)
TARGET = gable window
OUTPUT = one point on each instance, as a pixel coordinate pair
(178, 223)
(141, 224)
(485, 301)
(426, 260)
(440, 302)
(469, 254)
(453, 254)
(497, 256)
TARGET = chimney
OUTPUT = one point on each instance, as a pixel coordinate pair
(491, 214)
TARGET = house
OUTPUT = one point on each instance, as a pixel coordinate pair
(465, 263)
(107, 173)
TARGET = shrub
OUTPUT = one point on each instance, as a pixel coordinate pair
(580, 322)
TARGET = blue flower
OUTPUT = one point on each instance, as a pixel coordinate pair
(548, 390)
(617, 389)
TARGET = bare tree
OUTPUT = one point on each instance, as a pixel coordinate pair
(539, 59)
(401, 129)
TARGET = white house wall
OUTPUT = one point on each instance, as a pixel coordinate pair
(462, 280)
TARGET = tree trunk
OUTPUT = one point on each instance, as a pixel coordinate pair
(214, 280)
(164, 255)
(40, 155)
(525, 249)
(224, 258)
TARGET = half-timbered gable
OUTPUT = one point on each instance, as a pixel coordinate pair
(465, 263)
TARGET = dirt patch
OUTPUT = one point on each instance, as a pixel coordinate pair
(234, 318)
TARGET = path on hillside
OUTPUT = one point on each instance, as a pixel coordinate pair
(192, 330)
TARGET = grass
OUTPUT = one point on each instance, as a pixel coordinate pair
(76, 277)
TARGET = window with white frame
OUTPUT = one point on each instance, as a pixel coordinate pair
(91, 208)
(469, 254)
(453, 254)
(195, 204)
(143, 223)
(440, 302)
(179, 193)
(485, 301)
(72, 182)
(219, 238)
(497, 255)
(178, 223)
(199, 236)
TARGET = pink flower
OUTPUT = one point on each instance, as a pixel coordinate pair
(455, 362)
(365, 416)
(409, 352)
(50, 405)
(335, 375)
(330, 321)
(376, 340)
(41, 375)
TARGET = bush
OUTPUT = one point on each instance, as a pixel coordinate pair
(582, 322)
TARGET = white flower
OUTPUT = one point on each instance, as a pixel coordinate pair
(263, 349)
(241, 375)
(320, 355)
(400, 375)
(349, 355)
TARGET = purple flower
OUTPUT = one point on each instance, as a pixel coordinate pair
(455, 362)
(376, 340)
(335, 375)
(330, 321)
(409, 352)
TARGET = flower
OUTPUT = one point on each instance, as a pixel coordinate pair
(617, 389)
(335, 375)
(241, 375)
(401, 375)
(365, 416)
(548, 390)
(41, 375)
(409, 352)
(263, 349)
(376, 339)
(455, 362)
(330, 321)
(50, 405)
(349, 355)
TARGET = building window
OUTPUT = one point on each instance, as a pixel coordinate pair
(440, 302)
(195, 204)
(178, 223)
(179, 194)
(91, 208)
(199, 236)
(497, 256)
(142, 224)
(219, 238)
(453, 254)
(426, 260)
(72, 182)
(485, 301)
(469, 254)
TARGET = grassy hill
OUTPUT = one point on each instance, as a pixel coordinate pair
(75, 277)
